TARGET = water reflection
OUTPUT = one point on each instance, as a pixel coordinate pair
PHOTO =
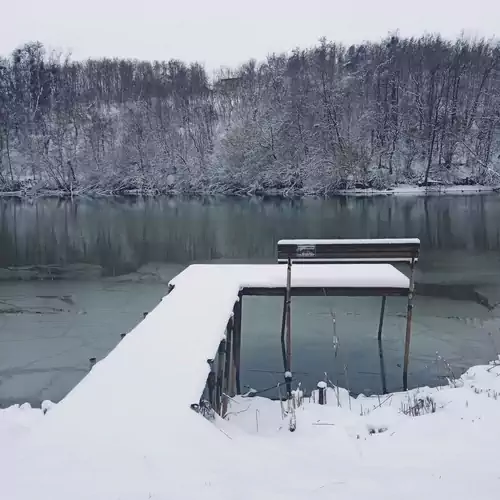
(121, 234)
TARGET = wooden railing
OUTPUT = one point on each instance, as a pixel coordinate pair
(349, 251)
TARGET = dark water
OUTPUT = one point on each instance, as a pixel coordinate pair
(74, 275)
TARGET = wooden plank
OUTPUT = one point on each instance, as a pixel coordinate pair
(409, 314)
(289, 320)
(228, 367)
(381, 320)
(220, 375)
(321, 292)
(382, 366)
(237, 311)
(365, 251)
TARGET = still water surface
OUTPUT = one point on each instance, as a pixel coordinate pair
(75, 275)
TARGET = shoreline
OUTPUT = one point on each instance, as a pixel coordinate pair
(400, 190)
(408, 190)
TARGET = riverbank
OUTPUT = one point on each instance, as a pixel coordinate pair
(406, 189)
(440, 440)
(397, 190)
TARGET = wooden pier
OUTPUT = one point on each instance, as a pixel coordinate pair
(131, 415)
(351, 268)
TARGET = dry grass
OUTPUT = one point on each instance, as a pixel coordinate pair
(418, 406)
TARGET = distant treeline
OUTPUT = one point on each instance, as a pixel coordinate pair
(312, 122)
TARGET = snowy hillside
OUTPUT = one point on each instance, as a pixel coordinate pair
(317, 121)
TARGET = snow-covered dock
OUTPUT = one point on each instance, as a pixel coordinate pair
(127, 431)
(204, 297)
(339, 279)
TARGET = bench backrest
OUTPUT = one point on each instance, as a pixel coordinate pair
(349, 251)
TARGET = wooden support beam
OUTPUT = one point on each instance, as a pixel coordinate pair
(329, 292)
(211, 384)
(409, 314)
(349, 251)
(289, 316)
(381, 320)
(283, 328)
(228, 366)
(382, 366)
(231, 375)
(220, 374)
(238, 307)
(288, 372)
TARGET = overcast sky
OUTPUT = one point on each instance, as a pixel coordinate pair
(228, 32)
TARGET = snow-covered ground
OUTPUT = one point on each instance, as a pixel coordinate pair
(351, 448)
(408, 189)
(399, 189)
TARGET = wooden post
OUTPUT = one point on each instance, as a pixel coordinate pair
(220, 374)
(288, 370)
(231, 382)
(381, 321)
(321, 393)
(283, 328)
(229, 357)
(211, 383)
(382, 366)
(288, 316)
(226, 379)
(409, 313)
(238, 306)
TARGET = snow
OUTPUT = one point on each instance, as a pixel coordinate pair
(125, 433)
(374, 241)
(15, 422)
(475, 397)
(303, 276)
(351, 448)
(411, 190)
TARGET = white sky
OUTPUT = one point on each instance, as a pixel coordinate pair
(228, 32)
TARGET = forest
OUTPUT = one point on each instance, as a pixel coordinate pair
(418, 111)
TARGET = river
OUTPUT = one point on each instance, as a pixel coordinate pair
(75, 275)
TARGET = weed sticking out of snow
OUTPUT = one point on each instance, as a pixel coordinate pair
(417, 406)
